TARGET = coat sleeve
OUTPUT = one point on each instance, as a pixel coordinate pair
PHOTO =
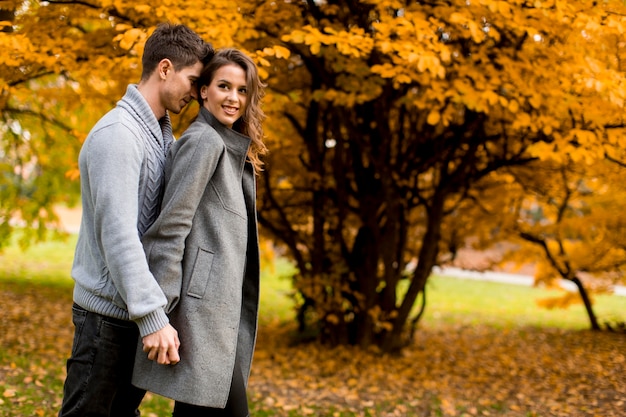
(191, 163)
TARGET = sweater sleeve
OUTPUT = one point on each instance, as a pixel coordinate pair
(115, 158)
(192, 163)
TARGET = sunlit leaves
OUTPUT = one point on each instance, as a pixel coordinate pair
(497, 83)
(129, 37)
(380, 113)
(352, 43)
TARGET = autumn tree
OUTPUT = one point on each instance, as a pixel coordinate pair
(387, 120)
(562, 217)
(402, 109)
(49, 95)
(575, 229)
(63, 64)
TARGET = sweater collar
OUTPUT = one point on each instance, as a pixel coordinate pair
(138, 107)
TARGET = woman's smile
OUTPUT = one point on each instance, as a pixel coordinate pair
(226, 97)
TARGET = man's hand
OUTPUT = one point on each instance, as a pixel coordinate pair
(162, 346)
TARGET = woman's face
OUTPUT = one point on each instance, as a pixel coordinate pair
(226, 96)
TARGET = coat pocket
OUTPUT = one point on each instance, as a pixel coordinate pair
(200, 274)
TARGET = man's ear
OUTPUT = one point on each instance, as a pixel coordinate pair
(165, 66)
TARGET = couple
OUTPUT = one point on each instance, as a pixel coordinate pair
(166, 267)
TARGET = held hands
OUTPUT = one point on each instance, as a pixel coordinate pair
(162, 346)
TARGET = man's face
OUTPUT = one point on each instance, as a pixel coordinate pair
(180, 87)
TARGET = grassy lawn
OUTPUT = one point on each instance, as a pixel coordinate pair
(460, 301)
(474, 334)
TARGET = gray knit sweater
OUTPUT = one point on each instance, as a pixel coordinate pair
(121, 168)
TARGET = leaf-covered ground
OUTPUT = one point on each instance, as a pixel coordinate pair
(452, 371)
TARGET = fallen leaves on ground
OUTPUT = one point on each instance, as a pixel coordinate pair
(464, 371)
(449, 371)
(36, 336)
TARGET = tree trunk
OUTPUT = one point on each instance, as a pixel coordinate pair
(426, 260)
(583, 294)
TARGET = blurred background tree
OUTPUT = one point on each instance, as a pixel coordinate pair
(399, 132)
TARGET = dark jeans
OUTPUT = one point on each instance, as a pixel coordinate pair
(236, 406)
(100, 368)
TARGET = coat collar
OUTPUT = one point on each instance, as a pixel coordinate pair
(232, 139)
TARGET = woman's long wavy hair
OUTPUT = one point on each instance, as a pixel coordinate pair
(250, 124)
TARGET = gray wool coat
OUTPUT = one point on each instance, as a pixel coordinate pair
(203, 250)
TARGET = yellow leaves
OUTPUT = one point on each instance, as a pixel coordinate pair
(490, 97)
(583, 137)
(473, 365)
(403, 79)
(277, 51)
(433, 117)
(353, 43)
(17, 50)
(397, 73)
(578, 145)
(501, 7)
(73, 174)
(143, 8)
(129, 37)
(457, 18)
(535, 101)
(307, 36)
(432, 64)
(513, 106)
(408, 66)
(616, 138)
(347, 99)
(313, 41)
(522, 121)
(563, 301)
(36, 340)
(385, 70)
(476, 32)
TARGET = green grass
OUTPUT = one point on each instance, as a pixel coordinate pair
(277, 303)
(449, 300)
(44, 263)
(49, 265)
(461, 301)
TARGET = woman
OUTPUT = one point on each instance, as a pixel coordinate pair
(203, 249)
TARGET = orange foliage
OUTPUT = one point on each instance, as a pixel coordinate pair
(398, 130)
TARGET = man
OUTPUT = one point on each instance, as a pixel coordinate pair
(116, 298)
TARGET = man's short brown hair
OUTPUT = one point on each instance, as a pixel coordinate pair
(175, 42)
